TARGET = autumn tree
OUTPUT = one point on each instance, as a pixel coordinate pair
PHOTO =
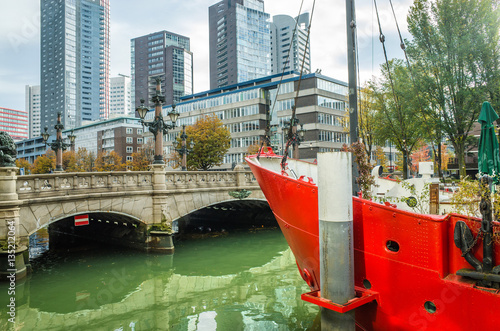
(141, 160)
(84, 160)
(211, 143)
(69, 161)
(23, 163)
(380, 156)
(419, 155)
(455, 56)
(44, 163)
(254, 148)
(108, 162)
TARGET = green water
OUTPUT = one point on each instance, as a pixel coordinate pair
(241, 281)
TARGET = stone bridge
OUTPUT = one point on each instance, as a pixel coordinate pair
(132, 208)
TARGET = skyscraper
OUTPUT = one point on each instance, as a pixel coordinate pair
(119, 96)
(164, 54)
(74, 61)
(287, 48)
(240, 42)
(33, 109)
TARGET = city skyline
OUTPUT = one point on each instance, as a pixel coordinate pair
(20, 37)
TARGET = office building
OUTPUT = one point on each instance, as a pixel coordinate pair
(161, 54)
(245, 109)
(288, 43)
(119, 97)
(239, 41)
(15, 123)
(33, 108)
(74, 61)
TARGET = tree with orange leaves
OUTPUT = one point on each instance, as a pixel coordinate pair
(108, 162)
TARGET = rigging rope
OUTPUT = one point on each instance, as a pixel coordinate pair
(267, 137)
(290, 133)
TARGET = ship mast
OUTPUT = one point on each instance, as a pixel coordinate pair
(353, 85)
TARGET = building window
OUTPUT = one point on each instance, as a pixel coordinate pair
(129, 158)
(130, 139)
(130, 149)
(139, 131)
(140, 140)
(129, 130)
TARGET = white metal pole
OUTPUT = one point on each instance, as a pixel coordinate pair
(336, 237)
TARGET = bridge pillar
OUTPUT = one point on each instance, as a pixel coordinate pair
(159, 238)
(240, 175)
(12, 245)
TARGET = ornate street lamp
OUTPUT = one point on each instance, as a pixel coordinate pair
(295, 136)
(58, 145)
(158, 127)
(72, 138)
(183, 150)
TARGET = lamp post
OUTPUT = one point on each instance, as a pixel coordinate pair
(72, 138)
(58, 145)
(183, 150)
(158, 127)
(295, 136)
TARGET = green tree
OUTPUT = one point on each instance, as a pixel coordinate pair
(398, 110)
(367, 120)
(455, 55)
(211, 142)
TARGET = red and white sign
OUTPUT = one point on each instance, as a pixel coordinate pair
(81, 220)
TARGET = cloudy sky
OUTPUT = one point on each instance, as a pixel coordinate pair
(20, 37)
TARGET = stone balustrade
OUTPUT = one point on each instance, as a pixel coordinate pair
(46, 185)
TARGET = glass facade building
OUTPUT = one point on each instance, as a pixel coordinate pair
(74, 61)
(288, 43)
(164, 54)
(240, 42)
(247, 108)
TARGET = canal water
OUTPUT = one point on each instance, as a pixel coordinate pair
(246, 280)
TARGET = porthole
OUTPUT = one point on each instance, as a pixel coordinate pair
(430, 307)
(392, 245)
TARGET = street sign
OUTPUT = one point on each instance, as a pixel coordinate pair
(81, 220)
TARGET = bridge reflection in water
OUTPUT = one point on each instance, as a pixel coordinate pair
(243, 280)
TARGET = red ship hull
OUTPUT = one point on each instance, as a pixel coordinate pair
(417, 285)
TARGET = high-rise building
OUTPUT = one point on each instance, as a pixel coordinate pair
(119, 97)
(33, 109)
(74, 61)
(161, 54)
(240, 42)
(288, 48)
(15, 123)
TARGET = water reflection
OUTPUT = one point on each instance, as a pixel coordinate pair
(242, 281)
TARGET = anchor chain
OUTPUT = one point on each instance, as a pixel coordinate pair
(479, 235)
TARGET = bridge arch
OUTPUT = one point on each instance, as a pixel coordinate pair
(225, 215)
(107, 227)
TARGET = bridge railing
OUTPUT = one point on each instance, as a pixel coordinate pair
(78, 182)
(200, 179)
(43, 185)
